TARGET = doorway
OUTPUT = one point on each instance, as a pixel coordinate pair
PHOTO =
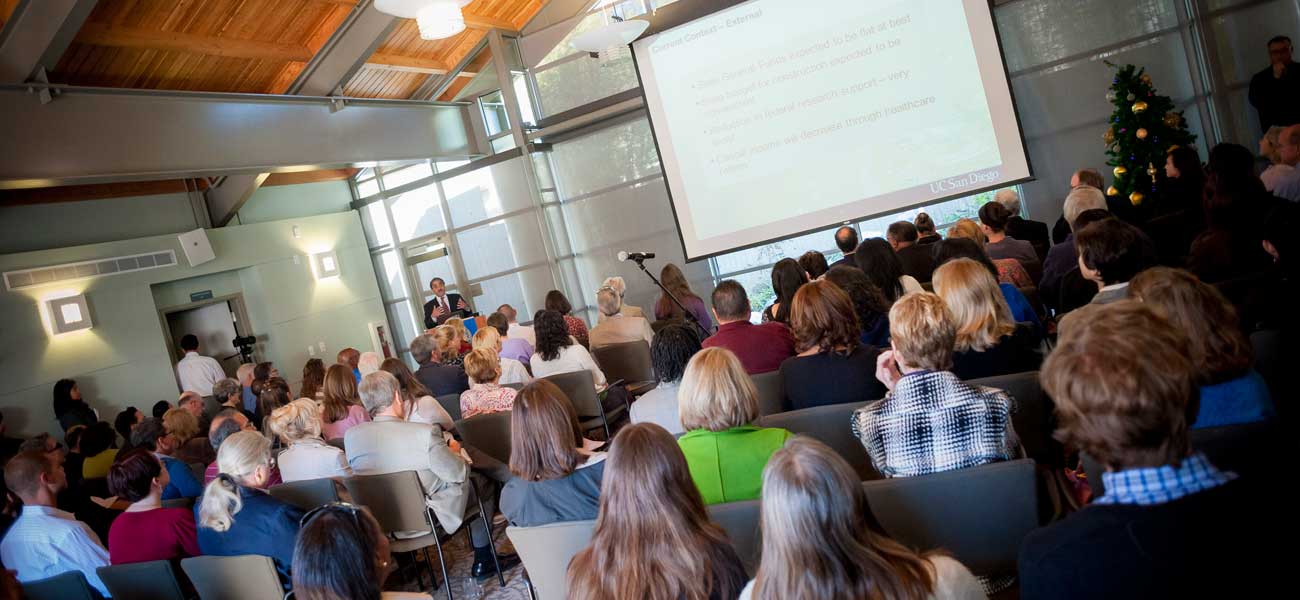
(216, 322)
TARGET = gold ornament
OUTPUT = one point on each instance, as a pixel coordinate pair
(1120, 171)
(1136, 198)
(1139, 107)
(1142, 133)
(1171, 148)
(1109, 136)
(1111, 191)
(1146, 79)
(1151, 170)
(1173, 120)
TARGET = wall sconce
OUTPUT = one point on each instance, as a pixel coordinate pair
(327, 264)
(69, 313)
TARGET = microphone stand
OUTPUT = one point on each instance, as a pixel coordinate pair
(690, 316)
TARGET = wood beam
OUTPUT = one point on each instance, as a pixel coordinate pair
(481, 22)
(129, 37)
(309, 176)
(409, 64)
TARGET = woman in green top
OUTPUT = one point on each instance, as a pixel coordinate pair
(726, 453)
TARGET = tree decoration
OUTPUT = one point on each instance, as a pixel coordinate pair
(1139, 107)
(1140, 135)
(1111, 191)
(1136, 198)
(1120, 171)
(1151, 171)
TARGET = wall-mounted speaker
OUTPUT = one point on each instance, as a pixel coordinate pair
(198, 249)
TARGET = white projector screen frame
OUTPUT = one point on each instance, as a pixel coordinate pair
(1013, 166)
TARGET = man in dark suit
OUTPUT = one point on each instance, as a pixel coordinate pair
(917, 260)
(1034, 232)
(439, 378)
(444, 306)
(846, 239)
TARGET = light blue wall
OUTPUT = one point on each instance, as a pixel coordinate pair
(279, 202)
(63, 224)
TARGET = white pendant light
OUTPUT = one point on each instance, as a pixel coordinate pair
(609, 37)
(406, 9)
(440, 19)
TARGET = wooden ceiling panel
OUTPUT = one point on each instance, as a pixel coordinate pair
(6, 10)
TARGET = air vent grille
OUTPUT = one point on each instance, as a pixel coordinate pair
(26, 278)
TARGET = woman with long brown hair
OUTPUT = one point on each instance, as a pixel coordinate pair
(653, 539)
(340, 406)
(577, 328)
(821, 541)
(554, 478)
(675, 281)
(424, 407)
(313, 379)
(833, 366)
(787, 277)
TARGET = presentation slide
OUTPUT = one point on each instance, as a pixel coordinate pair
(774, 117)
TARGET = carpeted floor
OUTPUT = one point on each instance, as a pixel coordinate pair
(460, 560)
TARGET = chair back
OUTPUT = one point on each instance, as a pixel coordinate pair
(306, 494)
(178, 503)
(451, 404)
(1268, 359)
(247, 577)
(741, 521)
(979, 514)
(199, 471)
(629, 361)
(395, 499)
(70, 585)
(516, 386)
(338, 443)
(153, 580)
(580, 387)
(489, 433)
(829, 425)
(546, 552)
(1034, 418)
(771, 394)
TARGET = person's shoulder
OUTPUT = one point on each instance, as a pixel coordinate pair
(1093, 527)
(951, 578)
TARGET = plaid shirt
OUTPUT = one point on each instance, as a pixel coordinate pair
(934, 422)
(1158, 485)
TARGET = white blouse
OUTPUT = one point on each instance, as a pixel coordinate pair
(427, 410)
(312, 459)
(513, 371)
(572, 358)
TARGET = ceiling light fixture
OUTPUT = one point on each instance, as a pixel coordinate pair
(437, 19)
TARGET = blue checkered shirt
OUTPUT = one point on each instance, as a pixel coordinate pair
(1158, 485)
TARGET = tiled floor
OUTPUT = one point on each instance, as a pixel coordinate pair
(461, 560)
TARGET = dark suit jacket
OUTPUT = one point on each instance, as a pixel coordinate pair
(918, 262)
(1034, 232)
(453, 300)
(442, 379)
(846, 261)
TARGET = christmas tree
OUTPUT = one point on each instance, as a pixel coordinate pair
(1143, 129)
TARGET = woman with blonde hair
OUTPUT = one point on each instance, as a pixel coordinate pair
(307, 455)
(675, 281)
(191, 447)
(724, 449)
(447, 340)
(1009, 269)
(833, 365)
(462, 333)
(989, 342)
(236, 516)
(340, 406)
(424, 407)
(653, 539)
(512, 371)
(485, 394)
(822, 542)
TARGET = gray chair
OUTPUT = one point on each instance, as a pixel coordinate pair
(153, 580)
(514, 386)
(451, 403)
(741, 521)
(307, 494)
(71, 585)
(979, 514)
(248, 577)
(629, 361)
(200, 471)
(489, 433)
(1034, 419)
(337, 443)
(179, 502)
(831, 425)
(771, 394)
(546, 552)
(581, 390)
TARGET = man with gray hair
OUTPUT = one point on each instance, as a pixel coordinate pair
(617, 326)
(1064, 257)
(1034, 232)
(391, 444)
(439, 378)
(1288, 149)
(620, 287)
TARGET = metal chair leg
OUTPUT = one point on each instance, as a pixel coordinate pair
(603, 420)
(487, 525)
(442, 562)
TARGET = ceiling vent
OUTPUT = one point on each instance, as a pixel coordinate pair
(28, 278)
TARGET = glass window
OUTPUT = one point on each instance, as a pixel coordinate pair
(525, 95)
(406, 175)
(365, 189)
(502, 144)
(416, 213)
(523, 290)
(493, 106)
(770, 253)
(403, 321)
(427, 270)
(605, 158)
(389, 268)
(1042, 31)
(374, 219)
(501, 245)
(577, 82)
(447, 165)
(487, 192)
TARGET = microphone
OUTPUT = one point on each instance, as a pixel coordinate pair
(624, 255)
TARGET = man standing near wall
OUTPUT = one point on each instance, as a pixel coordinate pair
(1275, 91)
(197, 372)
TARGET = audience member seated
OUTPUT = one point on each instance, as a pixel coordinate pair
(514, 348)
(1270, 147)
(342, 552)
(160, 408)
(192, 402)
(821, 540)
(814, 264)
(425, 408)
(125, 420)
(485, 394)
(787, 278)
(273, 394)
(390, 444)
(69, 408)
(725, 450)
(306, 456)
(832, 366)
(523, 332)
(1231, 392)
(953, 248)
(313, 379)
(931, 421)
(45, 541)
(438, 378)
(616, 327)
(226, 423)
(447, 339)
(1181, 217)
(1287, 186)
(369, 362)
(245, 375)
(73, 461)
(1229, 247)
(146, 531)
(675, 281)
(461, 337)
(877, 259)
(1170, 525)
(556, 351)
(989, 341)
(554, 478)
(1034, 232)
(761, 348)
(151, 435)
(846, 239)
(1082, 178)
(351, 358)
(653, 537)
(1064, 257)
(1009, 270)
(868, 303)
(97, 448)
(191, 447)
(916, 259)
(671, 351)
(1110, 252)
(576, 327)
(512, 371)
(229, 394)
(1267, 301)
(341, 410)
(620, 287)
(994, 219)
(925, 230)
(237, 516)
